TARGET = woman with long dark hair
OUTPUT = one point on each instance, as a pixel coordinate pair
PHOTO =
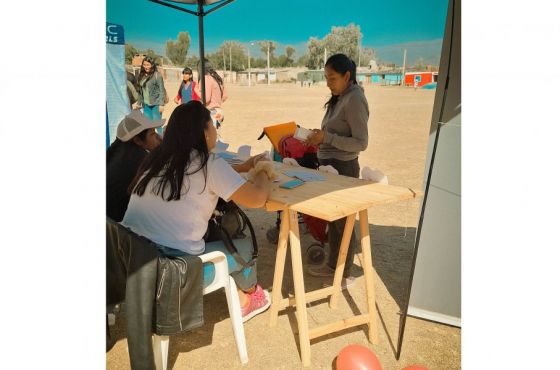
(152, 91)
(186, 91)
(216, 93)
(176, 191)
(343, 135)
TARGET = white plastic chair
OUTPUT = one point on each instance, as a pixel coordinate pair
(221, 280)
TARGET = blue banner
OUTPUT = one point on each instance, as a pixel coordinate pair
(118, 105)
(114, 34)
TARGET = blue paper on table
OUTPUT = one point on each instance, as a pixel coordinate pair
(225, 155)
(221, 146)
(305, 176)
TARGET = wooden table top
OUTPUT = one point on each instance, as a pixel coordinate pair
(335, 197)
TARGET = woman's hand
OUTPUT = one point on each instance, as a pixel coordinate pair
(176, 100)
(161, 108)
(262, 180)
(316, 137)
(257, 158)
(249, 163)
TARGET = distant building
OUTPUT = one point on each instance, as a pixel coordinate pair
(372, 65)
(388, 77)
(258, 75)
(386, 67)
(422, 78)
(312, 75)
(288, 74)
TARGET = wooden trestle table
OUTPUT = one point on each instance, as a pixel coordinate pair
(332, 199)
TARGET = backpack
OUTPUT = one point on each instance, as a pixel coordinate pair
(227, 223)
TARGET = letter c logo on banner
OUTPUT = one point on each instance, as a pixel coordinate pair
(109, 29)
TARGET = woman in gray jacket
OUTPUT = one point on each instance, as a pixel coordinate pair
(343, 135)
(152, 91)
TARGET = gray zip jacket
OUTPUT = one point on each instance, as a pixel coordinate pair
(345, 126)
(154, 85)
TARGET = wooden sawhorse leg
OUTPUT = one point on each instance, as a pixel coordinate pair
(299, 289)
(279, 268)
(341, 261)
(289, 228)
(367, 266)
(368, 273)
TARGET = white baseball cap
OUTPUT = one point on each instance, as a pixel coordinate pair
(134, 123)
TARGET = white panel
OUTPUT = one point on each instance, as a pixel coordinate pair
(434, 316)
(436, 286)
(447, 166)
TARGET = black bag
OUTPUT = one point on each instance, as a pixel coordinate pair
(229, 222)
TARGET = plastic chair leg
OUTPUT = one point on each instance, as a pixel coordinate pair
(161, 347)
(221, 279)
(236, 319)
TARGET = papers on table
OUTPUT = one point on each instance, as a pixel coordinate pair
(305, 176)
(221, 145)
(229, 158)
(302, 133)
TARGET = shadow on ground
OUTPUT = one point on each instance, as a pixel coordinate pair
(392, 250)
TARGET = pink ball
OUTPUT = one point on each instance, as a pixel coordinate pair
(415, 367)
(356, 357)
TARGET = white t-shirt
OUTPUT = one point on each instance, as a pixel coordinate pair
(181, 224)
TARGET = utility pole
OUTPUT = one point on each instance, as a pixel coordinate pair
(249, 62)
(268, 62)
(325, 58)
(403, 67)
(224, 57)
(359, 56)
(230, 74)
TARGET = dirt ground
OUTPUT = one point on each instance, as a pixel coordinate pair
(398, 127)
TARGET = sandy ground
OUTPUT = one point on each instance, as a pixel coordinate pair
(399, 124)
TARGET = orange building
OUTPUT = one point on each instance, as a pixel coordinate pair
(423, 78)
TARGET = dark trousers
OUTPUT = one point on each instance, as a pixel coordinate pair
(336, 228)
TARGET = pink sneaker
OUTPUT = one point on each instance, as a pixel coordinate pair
(259, 301)
(258, 293)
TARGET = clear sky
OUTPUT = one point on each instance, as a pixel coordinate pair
(386, 25)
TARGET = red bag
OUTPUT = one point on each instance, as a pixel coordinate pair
(290, 147)
(316, 227)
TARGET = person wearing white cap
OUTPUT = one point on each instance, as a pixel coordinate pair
(136, 136)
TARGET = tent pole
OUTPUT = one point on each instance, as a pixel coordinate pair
(404, 314)
(202, 70)
(200, 14)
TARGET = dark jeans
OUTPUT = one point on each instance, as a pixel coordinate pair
(336, 228)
